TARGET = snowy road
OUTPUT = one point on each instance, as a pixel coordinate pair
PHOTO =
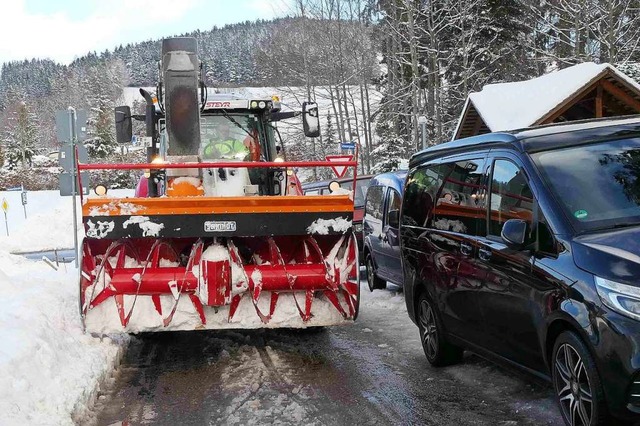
(373, 372)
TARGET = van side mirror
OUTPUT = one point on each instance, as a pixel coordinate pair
(124, 132)
(394, 218)
(514, 233)
(310, 119)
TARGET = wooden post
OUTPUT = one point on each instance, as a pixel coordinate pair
(599, 101)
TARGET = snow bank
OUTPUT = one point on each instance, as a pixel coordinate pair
(49, 368)
(49, 221)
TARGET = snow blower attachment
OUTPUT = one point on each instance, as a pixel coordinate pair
(215, 242)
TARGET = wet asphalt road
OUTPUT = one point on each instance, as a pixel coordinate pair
(372, 372)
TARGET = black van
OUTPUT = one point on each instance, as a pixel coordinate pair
(380, 228)
(525, 247)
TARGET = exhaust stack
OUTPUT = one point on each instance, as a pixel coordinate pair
(180, 72)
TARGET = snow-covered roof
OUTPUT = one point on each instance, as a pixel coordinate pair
(508, 106)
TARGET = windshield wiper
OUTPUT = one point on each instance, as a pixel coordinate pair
(227, 116)
(625, 224)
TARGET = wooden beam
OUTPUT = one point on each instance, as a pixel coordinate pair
(599, 101)
(621, 95)
(553, 115)
(478, 125)
(611, 106)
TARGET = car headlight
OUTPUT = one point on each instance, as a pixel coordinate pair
(357, 227)
(622, 298)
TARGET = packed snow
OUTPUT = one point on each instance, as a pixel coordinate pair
(149, 228)
(323, 226)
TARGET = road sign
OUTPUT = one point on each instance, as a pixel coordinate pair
(347, 145)
(65, 156)
(65, 183)
(339, 170)
(81, 125)
(5, 207)
(63, 130)
(24, 197)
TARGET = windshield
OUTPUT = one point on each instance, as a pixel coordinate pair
(596, 184)
(222, 139)
(360, 192)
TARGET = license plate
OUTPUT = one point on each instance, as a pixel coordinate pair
(219, 226)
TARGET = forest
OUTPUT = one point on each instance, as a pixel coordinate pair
(387, 70)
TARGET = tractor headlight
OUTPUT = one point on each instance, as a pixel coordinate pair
(622, 298)
(279, 160)
(262, 104)
(357, 227)
(254, 104)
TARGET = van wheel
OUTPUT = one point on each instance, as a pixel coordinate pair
(438, 350)
(577, 382)
(373, 281)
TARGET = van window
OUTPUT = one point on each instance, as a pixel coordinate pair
(312, 192)
(511, 197)
(421, 189)
(460, 203)
(373, 204)
(394, 202)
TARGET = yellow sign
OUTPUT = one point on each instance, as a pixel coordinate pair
(5, 205)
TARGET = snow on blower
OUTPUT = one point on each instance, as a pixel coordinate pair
(218, 234)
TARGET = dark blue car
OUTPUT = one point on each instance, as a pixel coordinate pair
(380, 229)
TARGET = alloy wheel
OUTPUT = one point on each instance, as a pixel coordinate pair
(370, 276)
(573, 386)
(428, 329)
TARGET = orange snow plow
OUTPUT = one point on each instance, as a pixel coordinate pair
(218, 234)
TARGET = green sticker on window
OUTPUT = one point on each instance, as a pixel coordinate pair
(581, 214)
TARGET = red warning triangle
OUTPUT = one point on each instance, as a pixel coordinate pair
(339, 170)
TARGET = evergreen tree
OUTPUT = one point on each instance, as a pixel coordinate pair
(20, 137)
(392, 151)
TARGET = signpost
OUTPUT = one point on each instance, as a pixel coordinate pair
(339, 170)
(347, 146)
(23, 196)
(71, 127)
(5, 209)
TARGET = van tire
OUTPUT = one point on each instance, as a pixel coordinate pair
(437, 349)
(570, 354)
(373, 281)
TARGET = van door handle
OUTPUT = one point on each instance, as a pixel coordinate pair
(466, 249)
(484, 255)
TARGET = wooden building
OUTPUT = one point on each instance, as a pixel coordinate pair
(586, 90)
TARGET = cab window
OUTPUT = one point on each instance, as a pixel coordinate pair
(374, 202)
(460, 205)
(422, 188)
(394, 202)
(511, 197)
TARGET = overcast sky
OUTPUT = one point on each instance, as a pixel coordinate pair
(65, 29)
